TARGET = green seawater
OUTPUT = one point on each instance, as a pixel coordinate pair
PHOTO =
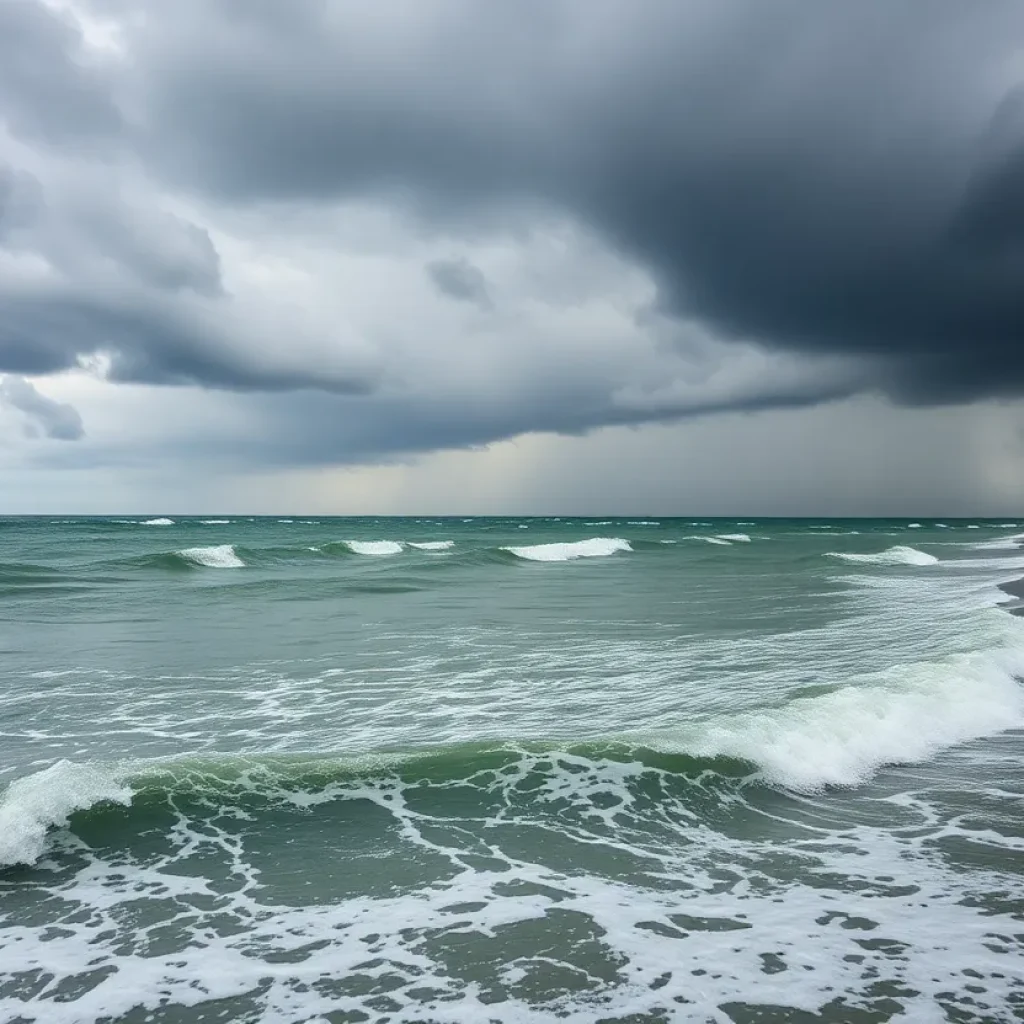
(484, 769)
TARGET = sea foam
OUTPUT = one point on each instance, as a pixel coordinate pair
(162, 521)
(898, 555)
(741, 538)
(596, 547)
(432, 545)
(218, 556)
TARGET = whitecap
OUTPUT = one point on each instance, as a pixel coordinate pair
(215, 522)
(742, 538)
(218, 556)
(596, 547)
(158, 522)
(374, 547)
(432, 545)
(898, 555)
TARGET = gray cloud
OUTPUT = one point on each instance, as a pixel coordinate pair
(52, 91)
(56, 420)
(821, 178)
(831, 197)
(459, 279)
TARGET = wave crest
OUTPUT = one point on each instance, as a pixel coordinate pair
(373, 547)
(31, 806)
(898, 555)
(217, 556)
(595, 547)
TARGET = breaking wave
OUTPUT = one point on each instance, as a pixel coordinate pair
(374, 547)
(902, 716)
(898, 555)
(218, 556)
(595, 547)
(158, 522)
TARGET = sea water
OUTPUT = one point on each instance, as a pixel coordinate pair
(523, 770)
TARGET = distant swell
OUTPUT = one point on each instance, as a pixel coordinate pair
(898, 555)
(596, 547)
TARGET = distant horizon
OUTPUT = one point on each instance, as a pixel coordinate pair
(553, 516)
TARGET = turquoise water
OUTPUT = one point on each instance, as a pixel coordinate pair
(463, 770)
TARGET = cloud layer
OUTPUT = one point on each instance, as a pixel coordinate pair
(410, 226)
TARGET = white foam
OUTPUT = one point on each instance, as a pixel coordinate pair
(742, 538)
(596, 547)
(31, 806)
(374, 547)
(898, 555)
(902, 716)
(913, 526)
(219, 556)
(432, 545)
(286, 520)
(158, 522)
(721, 541)
(643, 522)
(214, 522)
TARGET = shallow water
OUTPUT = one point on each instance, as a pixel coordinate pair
(511, 770)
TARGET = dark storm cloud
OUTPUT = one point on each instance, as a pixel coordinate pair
(56, 420)
(820, 177)
(459, 279)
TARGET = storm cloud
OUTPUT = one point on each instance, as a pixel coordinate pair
(758, 205)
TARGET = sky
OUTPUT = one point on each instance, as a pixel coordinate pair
(696, 257)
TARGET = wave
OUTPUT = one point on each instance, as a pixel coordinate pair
(31, 806)
(373, 547)
(741, 538)
(836, 739)
(214, 522)
(898, 555)
(218, 556)
(720, 541)
(595, 547)
(432, 545)
(162, 521)
(844, 737)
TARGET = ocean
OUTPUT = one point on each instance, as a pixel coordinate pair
(496, 769)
